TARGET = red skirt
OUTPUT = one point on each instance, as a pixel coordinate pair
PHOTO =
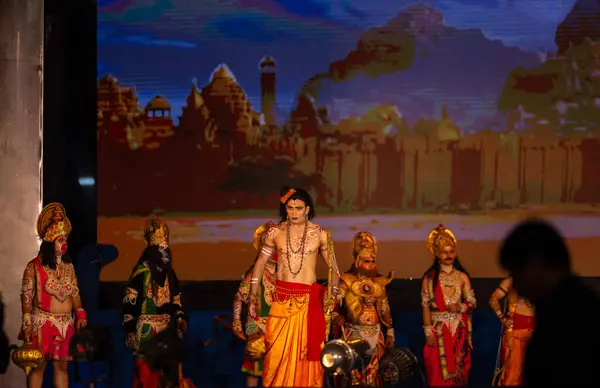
(53, 344)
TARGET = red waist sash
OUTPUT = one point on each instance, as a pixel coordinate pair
(523, 322)
(316, 317)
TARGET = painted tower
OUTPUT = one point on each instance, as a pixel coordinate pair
(268, 87)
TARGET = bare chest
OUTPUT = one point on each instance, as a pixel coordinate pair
(296, 243)
(297, 253)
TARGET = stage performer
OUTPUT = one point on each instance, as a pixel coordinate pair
(49, 295)
(518, 322)
(152, 300)
(448, 300)
(299, 306)
(253, 369)
(365, 311)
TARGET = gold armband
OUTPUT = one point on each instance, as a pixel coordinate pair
(177, 300)
(390, 332)
(237, 324)
(470, 299)
(425, 298)
(26, 285)
(428, 331)
(130, 296)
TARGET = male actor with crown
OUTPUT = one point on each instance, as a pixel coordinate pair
(298, 319)
(152, 299)
(49, 295)
(254, 352)
(365, 310)
(518, 322)
(448, 300)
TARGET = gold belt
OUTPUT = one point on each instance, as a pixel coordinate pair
(367, 330)
(448, 319)
(154, 320)
(52, 317)
(445, 316)
(60, 321)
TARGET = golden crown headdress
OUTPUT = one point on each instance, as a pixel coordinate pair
(156, 232)
(53, 222)
(364, 245)
(259, 234)
(439, 237)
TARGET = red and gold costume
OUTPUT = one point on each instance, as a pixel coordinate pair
(242, 297)
(365, 310)
(151, 304)
(43, 286)
(448, 362)
(515, 339)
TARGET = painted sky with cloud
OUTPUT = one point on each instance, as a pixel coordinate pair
(161, 45)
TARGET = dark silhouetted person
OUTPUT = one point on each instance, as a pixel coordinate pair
(4, 350)
(88, 265)
(564, 349)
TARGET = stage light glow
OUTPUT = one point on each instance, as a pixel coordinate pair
(85, 181)
(340, 357)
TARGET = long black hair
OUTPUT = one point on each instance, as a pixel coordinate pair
(435, 267)
(48, 255)
(299, 194)
(153, 257)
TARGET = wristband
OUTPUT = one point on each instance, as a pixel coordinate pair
(427, 330)
(81, 315)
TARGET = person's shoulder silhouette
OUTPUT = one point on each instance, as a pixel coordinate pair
(4, 346)
(537, 257)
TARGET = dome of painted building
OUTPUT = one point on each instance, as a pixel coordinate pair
(158, 103)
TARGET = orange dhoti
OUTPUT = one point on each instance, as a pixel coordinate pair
(514, 343)
(292, 357)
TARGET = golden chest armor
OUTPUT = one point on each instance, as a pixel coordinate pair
(61, 287)
(362, 297)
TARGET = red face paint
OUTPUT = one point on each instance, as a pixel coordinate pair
(63, 249)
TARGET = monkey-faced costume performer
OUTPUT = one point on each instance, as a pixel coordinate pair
(48, 286)
(152, 299)
(365, 311)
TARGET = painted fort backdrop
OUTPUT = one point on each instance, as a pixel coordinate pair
(420, 123)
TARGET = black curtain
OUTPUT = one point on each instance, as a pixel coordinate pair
(69, 150)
